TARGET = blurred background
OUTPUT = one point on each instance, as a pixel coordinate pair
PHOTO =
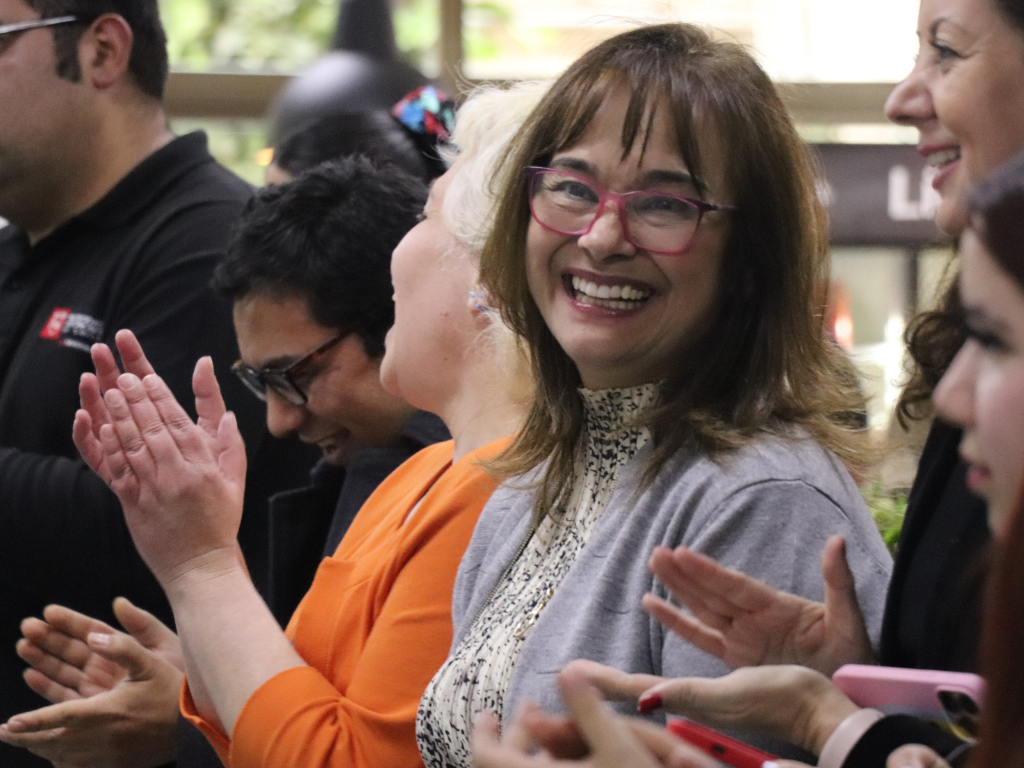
(835, 63)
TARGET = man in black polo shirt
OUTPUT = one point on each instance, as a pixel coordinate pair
(114, 224)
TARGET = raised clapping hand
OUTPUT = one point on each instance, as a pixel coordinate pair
(593, 735)
(115, 695)
(745, 622)
(180, 483)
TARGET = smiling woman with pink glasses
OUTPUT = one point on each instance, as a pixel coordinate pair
(659, 246)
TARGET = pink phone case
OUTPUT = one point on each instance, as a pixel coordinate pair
(925, 689)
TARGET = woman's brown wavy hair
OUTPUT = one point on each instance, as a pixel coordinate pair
(764, 364)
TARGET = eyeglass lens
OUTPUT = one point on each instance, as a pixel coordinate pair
(654, 221)
(258, 382)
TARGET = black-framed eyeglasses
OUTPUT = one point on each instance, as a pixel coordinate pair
(8, 31)
(25, 26)
(284, 382)
(652, 221)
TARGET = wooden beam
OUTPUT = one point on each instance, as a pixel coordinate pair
(214, 94)
(836, 103)
(450, 48)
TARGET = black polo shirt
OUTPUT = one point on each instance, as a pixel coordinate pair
(141, 258)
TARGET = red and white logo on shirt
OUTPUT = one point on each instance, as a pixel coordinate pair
(76, 330)
(55, 324)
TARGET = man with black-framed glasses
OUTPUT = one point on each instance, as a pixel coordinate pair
(114, 223)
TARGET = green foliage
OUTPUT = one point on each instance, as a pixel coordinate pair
(235, 143)
(277, 35)
(887, 508)
(417, 29)
(251, 35)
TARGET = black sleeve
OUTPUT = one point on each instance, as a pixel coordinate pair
(892, 732)
(64, 536)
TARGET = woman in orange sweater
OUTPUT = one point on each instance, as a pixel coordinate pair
(341, 686)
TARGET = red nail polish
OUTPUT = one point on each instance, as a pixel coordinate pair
(649, 703)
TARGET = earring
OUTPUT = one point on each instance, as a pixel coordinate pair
(477, 299)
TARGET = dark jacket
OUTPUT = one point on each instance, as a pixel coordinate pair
(140, 258)
(933, 609)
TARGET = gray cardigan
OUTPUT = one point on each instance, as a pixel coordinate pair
(766, 510)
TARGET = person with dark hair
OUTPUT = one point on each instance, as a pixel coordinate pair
(312, 258)
(408, 138)
(114, 223)
(659, 247)
(147, 64)
(374, 134)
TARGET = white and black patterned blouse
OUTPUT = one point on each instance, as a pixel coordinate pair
(477, 673)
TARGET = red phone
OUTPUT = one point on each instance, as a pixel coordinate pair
(721, 747)
(954, 697)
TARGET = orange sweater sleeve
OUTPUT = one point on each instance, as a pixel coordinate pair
(374, 628)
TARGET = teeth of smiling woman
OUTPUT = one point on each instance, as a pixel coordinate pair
(943, 157)
(614, 296)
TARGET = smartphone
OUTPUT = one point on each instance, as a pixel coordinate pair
(951, 697)
(721, 747)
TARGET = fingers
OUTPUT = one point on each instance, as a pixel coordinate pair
(126, 651)
(64, 715)
(556, 734)
(72, 623)
(840, 589)
(152, 428)
(88, 445)
(51, 690)
(91, 398)
(132, 356)
(106, 367)
(135, 458)
(722, 701)
(209, 401)
(612, 683)
(842, 607)
(915, 756)
(169, 420)
(684, 696)
(610, 740)
(231, 448)
(489, 752)
(706, 586)
(670, 751)
(690, 629)
(146, 628)
(122, 479)
(516, 737)
(58, 655)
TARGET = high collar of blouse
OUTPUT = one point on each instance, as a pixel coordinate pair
(610, 412)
